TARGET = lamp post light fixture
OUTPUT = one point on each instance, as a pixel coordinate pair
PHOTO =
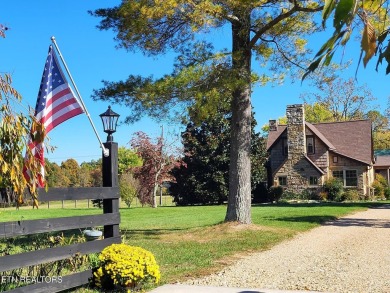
(110, 120)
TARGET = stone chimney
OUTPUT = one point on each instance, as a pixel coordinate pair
(296, 132)
(273, 125)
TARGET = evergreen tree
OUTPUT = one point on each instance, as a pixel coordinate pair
(203, 176)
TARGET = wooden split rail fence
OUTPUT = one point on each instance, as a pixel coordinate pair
(110, 219)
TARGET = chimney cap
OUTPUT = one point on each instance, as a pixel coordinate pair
(295, 106)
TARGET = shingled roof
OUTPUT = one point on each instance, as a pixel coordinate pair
(352, 139)
(382, 161)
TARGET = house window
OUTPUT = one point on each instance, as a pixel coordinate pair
(313, 180)
(310, 144)
(351, 178)
(338, 174)
(282, 180)
(335, 159)
(285, 146)
(348, 177)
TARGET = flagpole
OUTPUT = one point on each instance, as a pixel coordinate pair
(106, 152)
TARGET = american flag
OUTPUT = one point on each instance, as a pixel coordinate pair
(56, 103)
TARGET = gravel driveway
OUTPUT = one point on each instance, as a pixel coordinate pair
(351, 254)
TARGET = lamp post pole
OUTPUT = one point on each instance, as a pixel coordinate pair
(110, 179)
(110, 169)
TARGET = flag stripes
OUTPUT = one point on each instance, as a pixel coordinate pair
(56, 103)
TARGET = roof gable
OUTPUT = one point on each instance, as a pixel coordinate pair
(273, 136)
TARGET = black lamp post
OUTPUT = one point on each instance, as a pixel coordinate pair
(110, 120)
(110, 169)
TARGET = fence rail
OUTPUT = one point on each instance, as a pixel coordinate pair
(21, 228)
(110, 219)
(76, 193)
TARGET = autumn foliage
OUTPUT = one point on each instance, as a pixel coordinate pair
(156, 167)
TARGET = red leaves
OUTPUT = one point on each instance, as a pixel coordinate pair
(156, 166)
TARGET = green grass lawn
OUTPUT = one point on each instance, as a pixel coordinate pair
(193, 241)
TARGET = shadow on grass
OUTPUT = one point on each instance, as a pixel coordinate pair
(155, 233)
(325, 204)
(342, 222)
(306, 219)
(148, 233)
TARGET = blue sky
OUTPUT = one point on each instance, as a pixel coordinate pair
(92, 57)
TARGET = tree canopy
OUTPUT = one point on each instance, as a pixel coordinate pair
(368, 19)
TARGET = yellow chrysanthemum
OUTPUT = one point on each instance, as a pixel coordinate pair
(127, 266)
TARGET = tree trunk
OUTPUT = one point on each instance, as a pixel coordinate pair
(239, 200)
(155, 185)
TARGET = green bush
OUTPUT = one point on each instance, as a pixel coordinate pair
(334, 189)
(382, 180)
(379, 185)
(307, 194)
(379, 190)
(289, 195)
(387, 192)
(310, 194)
(351, 195)
(275, 193)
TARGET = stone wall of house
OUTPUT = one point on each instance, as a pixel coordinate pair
(297, 175)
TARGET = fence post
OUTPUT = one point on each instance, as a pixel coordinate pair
(110, 179)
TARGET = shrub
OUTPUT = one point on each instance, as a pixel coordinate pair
(334, 189)
(124, 266)
(379, 185)
(382, 180)
(379, 190)
(275, 193)
(310, 194)
(351, 194)
(323, 195)
(387, 192)
(289, 195)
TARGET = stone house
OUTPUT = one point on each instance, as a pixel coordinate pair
(303, 155)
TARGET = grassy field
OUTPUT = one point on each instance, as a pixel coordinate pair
(193, 241)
